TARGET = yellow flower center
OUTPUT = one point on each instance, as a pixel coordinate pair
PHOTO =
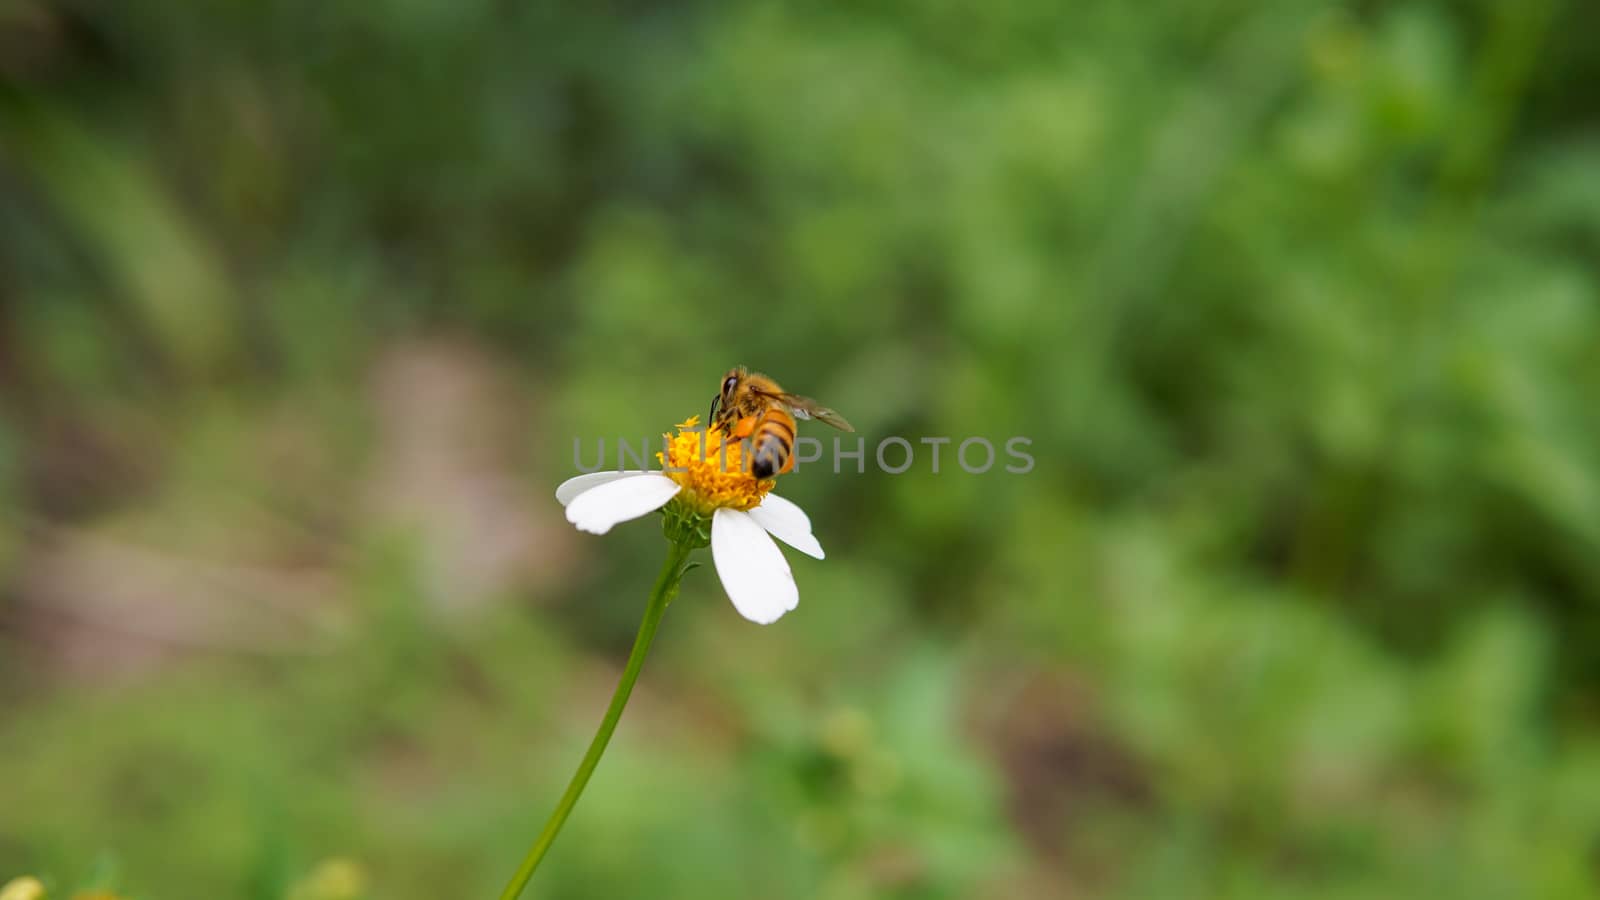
(712, 469)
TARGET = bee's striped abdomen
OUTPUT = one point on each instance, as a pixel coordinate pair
(772, 444)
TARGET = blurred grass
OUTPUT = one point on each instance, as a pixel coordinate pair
(301, 306)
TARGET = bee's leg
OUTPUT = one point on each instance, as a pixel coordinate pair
(744, 427)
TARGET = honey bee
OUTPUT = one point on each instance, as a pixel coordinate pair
(754, 406)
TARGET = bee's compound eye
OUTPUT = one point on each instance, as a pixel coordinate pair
(729, 384)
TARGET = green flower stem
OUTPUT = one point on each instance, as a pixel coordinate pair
(666, 588)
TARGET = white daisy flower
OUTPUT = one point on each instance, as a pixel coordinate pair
(701, 486)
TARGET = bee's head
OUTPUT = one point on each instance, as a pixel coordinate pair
(730, 384)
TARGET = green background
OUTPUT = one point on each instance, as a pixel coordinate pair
(303, 304)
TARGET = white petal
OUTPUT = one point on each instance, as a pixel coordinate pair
(569, 490)
(788, 523)
(752, 568)
(599, 508)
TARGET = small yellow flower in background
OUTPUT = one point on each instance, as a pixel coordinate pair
(25, 888)
(333, 879)
(29, 888)
(709, 498)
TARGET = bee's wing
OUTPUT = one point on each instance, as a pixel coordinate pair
(807, 408)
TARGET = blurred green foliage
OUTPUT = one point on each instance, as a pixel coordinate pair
(1298, 303)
